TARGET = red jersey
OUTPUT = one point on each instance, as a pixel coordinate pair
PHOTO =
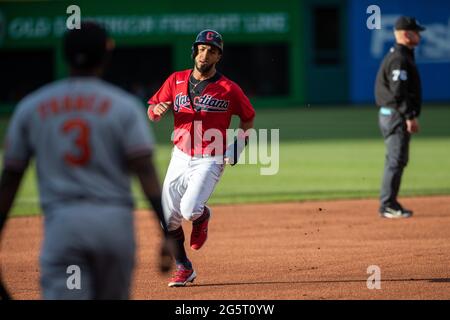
(196, 132)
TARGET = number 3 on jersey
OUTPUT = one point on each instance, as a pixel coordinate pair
(83, 153)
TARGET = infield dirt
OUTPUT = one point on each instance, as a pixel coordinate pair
(301, 250)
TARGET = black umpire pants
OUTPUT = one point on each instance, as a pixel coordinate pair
(396, 138)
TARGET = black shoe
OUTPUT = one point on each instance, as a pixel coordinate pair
(395, 213)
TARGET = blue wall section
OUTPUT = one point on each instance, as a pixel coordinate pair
(368, 47)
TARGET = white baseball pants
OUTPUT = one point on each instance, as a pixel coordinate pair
(188, 184)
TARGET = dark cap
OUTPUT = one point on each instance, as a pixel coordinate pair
(408, 23)
(86, 47)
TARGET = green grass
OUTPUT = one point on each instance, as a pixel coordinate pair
(325, 153)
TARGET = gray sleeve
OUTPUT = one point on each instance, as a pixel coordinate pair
(138, 136)
(17, 149)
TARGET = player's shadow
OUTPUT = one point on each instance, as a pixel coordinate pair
(434, 280)
(440, 280)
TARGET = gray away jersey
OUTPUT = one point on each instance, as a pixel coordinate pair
(81, 131)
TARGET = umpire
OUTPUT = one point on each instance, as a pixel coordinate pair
(398, 94)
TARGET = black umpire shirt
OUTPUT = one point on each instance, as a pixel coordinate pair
(398, 82)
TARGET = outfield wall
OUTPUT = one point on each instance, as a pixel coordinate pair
(282, 53)
(262, 44)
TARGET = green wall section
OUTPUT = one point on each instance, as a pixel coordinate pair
(327, 84)
(40, 24)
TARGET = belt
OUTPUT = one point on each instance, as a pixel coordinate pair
(180, 153)
(386, 111)
(203, 155)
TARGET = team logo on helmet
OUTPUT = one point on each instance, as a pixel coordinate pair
(209, 37)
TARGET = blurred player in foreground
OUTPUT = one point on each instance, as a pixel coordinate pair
(87, 137)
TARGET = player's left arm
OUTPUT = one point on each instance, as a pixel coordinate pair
(161, 101)
(245, 125)
(9, 185)
(246, 113)
(235, 149)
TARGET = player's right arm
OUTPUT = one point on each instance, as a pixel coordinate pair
(161, 100)
(156, 111)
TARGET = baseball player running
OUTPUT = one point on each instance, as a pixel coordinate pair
(202, 101)
(87, 136)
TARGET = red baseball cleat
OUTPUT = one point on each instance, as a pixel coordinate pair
(200, 231)
(182, 276)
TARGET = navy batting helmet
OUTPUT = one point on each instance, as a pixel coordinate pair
(208, 37)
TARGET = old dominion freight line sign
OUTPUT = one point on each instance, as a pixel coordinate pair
(42, 27)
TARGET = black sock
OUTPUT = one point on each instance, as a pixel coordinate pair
(203, 217)
(180, 254)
